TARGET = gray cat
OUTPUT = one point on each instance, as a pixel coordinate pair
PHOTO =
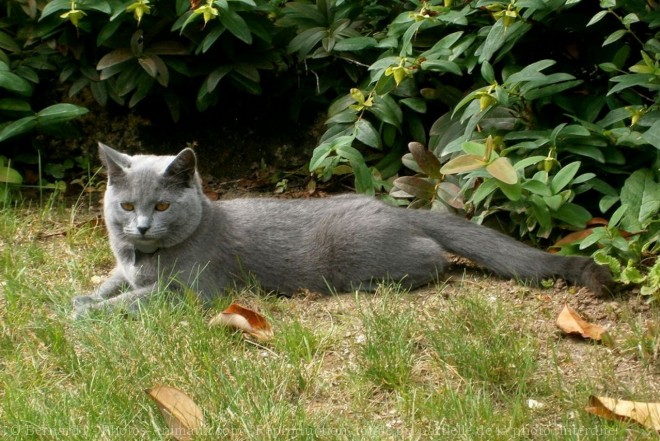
(162, 227)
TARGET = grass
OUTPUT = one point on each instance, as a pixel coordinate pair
(458, 361)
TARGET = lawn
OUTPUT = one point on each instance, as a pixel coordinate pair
(471, 358)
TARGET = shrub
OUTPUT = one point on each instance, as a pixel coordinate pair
(26, 65)
(533, 110)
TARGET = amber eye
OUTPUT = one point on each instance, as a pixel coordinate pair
(162, 206)
(127, 206)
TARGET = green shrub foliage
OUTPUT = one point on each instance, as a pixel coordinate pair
(26, 66)
(543, 113)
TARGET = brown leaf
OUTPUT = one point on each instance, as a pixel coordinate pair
(598, 221)
(646, 414)
(502, 170)
(426, 160)
(570, 322)
(463, 163)
(181, 414)
(244, 319)
(572, 237)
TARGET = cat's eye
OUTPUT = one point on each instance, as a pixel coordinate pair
(162, 206)
(127, 206)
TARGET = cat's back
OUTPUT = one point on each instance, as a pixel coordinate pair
(273, 208)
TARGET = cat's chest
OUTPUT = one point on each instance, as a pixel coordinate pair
(140, 269)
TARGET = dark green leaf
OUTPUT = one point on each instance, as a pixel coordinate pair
(211, 37)
(406, 40)
(614, 36)
(537, 187)
(586, 150)
(553, 202)
(367, 134)
(652, 135)
(441, 66)
(149, 66)
(348, 116)
(166, 47)
(304, 42)
(215, 77)
(641, 194)
(553, 89)
(573, 215)
(99, 92)
(598, 17)
(512, 192)
(54, 6)
(7, 43)
(355, 44)
(13, 83)
(236, 25)
(10, 176)
(60, 112)
(115, 57)
(487, 72)
(14, 106)
(248, 71)
(363, 178)
(564, 177)
(18, 127)
(349, 152)
(614, 116)
(416, 104)
(107, 31)
(494, 40)
(631, 80)
(416, 128)
(97, 5)
(387, 110)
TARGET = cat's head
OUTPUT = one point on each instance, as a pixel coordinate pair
(151, 201)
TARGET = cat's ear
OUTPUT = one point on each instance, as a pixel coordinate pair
(114, 162)
(182, 169)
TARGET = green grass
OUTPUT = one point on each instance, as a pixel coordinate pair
(455, 362)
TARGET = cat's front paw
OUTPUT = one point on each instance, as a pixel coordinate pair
(82, 305)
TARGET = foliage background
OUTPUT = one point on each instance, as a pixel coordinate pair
(540, 114)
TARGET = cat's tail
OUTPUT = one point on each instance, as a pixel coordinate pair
(509, 258)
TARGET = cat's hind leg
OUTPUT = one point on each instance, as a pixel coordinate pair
(411, 263)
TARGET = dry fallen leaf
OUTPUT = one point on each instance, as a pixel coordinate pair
(244, 319)
(646, 414)
(181, 414)
(570, 322)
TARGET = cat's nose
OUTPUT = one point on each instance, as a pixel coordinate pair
(143, 229)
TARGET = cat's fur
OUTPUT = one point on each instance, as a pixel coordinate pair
(341, 243)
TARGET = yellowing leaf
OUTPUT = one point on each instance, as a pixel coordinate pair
(462, 164)
(646, 414)
(244, 319)
(181, 414)
(570, 322)
(502, 169)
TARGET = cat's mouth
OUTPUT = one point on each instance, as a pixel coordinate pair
(146, 246)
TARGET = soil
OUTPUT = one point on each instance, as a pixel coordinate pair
(249, 138)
